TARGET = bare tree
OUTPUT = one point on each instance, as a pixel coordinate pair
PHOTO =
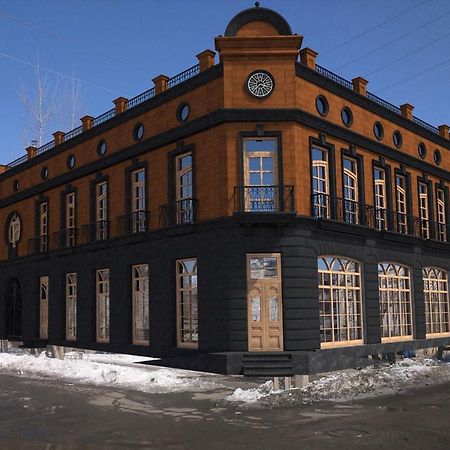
(70, 104)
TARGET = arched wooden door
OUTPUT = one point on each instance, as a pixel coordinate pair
(14, 310)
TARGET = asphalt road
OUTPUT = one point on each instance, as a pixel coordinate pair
(49, 414)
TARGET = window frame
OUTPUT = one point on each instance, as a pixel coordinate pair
(441, 212)
(71, 291)
(102, 305)
(143, 280)
(43, 306)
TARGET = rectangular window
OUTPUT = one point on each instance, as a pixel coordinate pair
(423, 211)
(379, 182)
(138, 206)
(102, 290)
(350, 189)
(402, 211)
(187, 303)
(140, 284)
(101, 211)
(437, 305)
(43, 227)
(441, 232)
(184, 206)
(70, 231)
(43, 307)
(320, 183)
(71, 306)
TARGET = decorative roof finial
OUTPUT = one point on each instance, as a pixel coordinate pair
(256, 4)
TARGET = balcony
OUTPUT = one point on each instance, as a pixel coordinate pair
(95, 231)
(38, 245)
(264, 199)
(135, 222)
(180, 212)
(347, 211)
(65, 238)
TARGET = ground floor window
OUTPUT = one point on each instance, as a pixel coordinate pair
(43, 307)
(435, 289)
(71, 306)
(140, 304)
(395, 301)
(340, 301)
(187, 303)
(102, 294)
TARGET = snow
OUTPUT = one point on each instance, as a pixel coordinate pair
(107, 370)
(344, 385)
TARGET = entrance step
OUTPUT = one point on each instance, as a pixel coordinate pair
(267, 364)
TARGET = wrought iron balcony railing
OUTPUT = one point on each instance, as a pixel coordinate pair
(264, 199)
(135, 222)
(38, 245)
(179, 212)
(65, 238)
(347, 211)
(95, 231)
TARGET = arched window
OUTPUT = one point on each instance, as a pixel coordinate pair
(437, 306)
(340, 300)
(14, 229)
(395, 301)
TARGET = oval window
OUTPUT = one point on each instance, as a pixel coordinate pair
(101, 148)
(437, 157)
(183, 112)
(422, 150)
(378, 130)
(44, 173)
(346, 116)
(397, 139)
(71, 161)
(138, 132)
(322, 105)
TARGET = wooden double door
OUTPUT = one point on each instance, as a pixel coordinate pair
(264, 303)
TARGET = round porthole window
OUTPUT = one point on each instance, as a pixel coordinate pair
(101, 148)
(16, 185)
(346, 116)
(183, 112)
(422, 150)
(322, 105)
(138, 132)
(378, 130)
(260, 84)
(44, 173)
(397, 139)
(437, 157)
(71, 161)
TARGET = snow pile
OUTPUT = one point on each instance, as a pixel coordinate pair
(351, 383)
(149, 379)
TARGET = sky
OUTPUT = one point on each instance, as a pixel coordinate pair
(103, 49)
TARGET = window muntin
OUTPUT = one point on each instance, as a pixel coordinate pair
(102, 304)
(350, 189)
(70, 219)
(43, 227)
(320, 183)
(14, 229)
(71, 306)
(187, 303)
(394, 287)
(140, 293)
(101, 210)
(437, 305)
(402, 212)
(379, 181)
(43, 307)
(340, 299)
(441, 215)
(424, 211)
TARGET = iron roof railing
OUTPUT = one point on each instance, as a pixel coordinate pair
(183, 76)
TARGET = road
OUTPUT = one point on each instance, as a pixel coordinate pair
(49, 414)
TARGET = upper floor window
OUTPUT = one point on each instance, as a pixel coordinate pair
(424, 212)
(441, 232)
(322, 105)
(43, 227)
(340, 299)
(402, 209)
(395, 301)
(14, 229)
(70, 219)
(101, 210)
(320, 183)
(437, 306)
(350, 189)
(379, 187)
(184, 205)
(138, 190)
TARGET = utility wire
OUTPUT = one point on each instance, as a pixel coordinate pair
(391, 42)
(373, 28)
(71, 41)
(55, 72)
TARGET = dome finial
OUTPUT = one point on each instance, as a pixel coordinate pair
(256, 4)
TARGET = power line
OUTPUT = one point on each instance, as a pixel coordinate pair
(391, 42)
(407, 54)
(373, 28)
(55, 72)
(71, 41)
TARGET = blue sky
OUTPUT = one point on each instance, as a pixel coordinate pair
(116, 47)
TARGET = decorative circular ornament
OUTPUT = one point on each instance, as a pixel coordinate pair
(260, 84)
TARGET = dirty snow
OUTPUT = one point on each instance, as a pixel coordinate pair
(349, 384)
(115, 370)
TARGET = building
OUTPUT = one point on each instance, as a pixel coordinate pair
(260, 214)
